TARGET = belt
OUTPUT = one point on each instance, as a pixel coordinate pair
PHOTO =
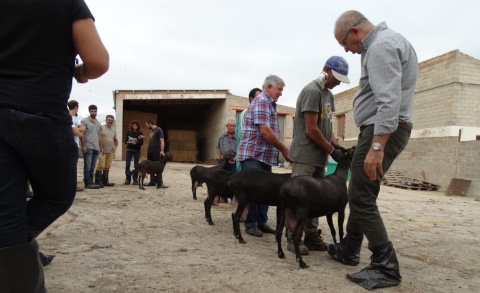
(400, 125)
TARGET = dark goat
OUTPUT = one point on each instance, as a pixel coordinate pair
(257, 186)
(306, 197)
(152, 167)
(197, 173)
(217, 185)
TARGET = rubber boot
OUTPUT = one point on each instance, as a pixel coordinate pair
(21, 269)
(46, 259)
(99, 178)
(383, 271)
(314, 242)
(348, 250)
(153, 180)
(135, 177)
(128, 177)
(89, 184)
(105, 179)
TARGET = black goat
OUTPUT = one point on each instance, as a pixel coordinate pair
(197, 173)
(257, 186)
(152, 167)
(217, 186)
(306, 197)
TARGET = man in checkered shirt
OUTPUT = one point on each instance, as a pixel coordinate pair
(260, 145)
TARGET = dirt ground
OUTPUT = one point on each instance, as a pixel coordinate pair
(122, 239)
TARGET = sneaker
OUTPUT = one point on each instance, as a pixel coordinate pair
(313, 241)
(254, 231)
(266, 229)
(291, 247)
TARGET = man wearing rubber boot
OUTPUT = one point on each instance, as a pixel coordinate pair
(312, 132)
(40, 40)
(382, 110)
(110, 144)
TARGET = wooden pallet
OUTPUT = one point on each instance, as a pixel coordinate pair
(398, 180)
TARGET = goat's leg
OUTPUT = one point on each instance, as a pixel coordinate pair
(158, 180)
(279, 230)
(208, 205)
(236, 222)
(341, 218)
(194, 189)
(332, 227)
(297, 234)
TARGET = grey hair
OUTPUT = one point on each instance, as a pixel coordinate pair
(348, 19)
(232, 120)
(273, 80)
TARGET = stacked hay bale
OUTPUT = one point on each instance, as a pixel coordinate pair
(141, 117)
(182, 144)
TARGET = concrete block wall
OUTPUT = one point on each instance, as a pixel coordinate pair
(212, 127)
(440, 159)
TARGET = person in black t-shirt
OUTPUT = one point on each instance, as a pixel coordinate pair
(156, 148)
(39, 43)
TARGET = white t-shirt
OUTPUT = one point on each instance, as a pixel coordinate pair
(75, 123)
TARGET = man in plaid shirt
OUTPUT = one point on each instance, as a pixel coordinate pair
(260, 145)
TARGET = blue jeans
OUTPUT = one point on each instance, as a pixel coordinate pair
(231, 168)
(257, 213)
(39, 149)
(89, 161)
(128, 159)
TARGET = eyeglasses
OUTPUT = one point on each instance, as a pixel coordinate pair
(348, 32)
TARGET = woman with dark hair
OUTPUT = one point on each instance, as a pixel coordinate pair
(134, 142)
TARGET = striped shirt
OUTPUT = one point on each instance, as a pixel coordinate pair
(389, 72)
(262, 110)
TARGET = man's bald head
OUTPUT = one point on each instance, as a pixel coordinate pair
(347, 20)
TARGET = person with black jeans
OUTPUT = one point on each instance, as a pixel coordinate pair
(40, 40)
(156, 148)
(134, 142)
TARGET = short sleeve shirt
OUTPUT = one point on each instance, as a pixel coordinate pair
(262, 110)
(109, 135)
(154, 141)
(75, 123)
(227, 145)
(92, 129)
(312, 98)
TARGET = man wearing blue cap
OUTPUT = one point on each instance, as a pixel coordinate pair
(312, 138)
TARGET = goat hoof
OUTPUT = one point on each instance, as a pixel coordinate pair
(211, 223)
(281, 255)
(195, 198)
(241, 241)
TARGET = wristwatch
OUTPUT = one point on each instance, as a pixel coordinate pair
(377, 147)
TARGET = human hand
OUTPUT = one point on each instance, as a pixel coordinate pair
(162, 153)
(84, 149)
(133, 142)
(102, 151)
(285, 155)
(341, 159)
(78, 74)
(373, 162)
(141, 136)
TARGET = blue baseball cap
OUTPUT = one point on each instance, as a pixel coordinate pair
(339, 68)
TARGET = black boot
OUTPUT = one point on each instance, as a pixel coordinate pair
(348, 250)
(153, 180)
(383, 271)
(46, 259)
(99, 178)
(135, 177)
(21, 269)
(105, 179)
(128, 177)
(89, 184)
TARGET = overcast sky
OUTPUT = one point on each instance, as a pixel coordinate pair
(234, 45)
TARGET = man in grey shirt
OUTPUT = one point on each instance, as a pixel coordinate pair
(312, 132)
(383, 111)
(91, 146)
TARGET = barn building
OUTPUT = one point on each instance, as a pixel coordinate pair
(192, 120)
